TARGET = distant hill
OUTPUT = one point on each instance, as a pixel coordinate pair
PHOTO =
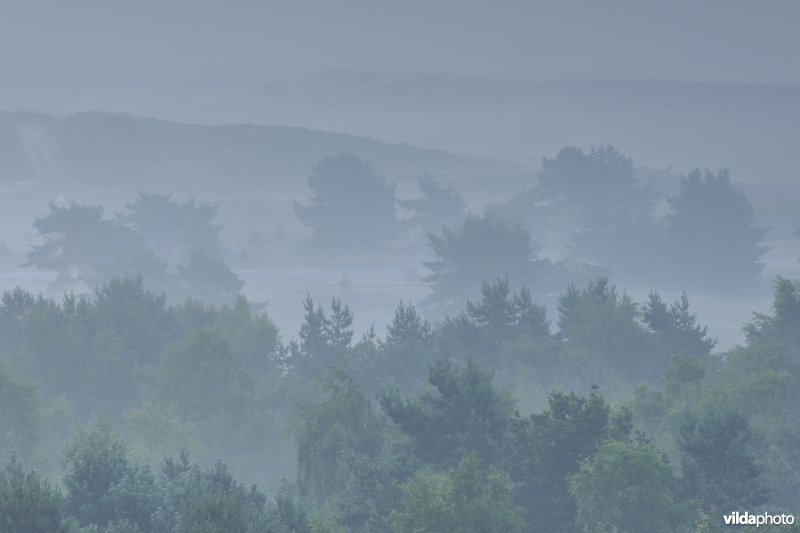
(120, 151)
(751, 128)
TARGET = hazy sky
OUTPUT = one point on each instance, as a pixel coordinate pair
(201, 42)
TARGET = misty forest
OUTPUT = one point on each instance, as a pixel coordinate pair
(364, 283)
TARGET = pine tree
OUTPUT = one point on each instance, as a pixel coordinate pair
(351, 206)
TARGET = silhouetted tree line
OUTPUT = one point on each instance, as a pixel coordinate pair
(419, 429)
(705, 236)
(615, 415)
(174, 246)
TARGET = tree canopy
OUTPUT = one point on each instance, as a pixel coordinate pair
(351, 206)
(438, 206)
(83, 246)
(711, 233)
(583, 185)
(174, 247)
(481, 249)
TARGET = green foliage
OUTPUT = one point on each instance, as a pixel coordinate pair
(580, 184)
(65, 347)
(78, 238)
(28, 503)
(16, 303)
(408, 349)
(221, 511)
(736, 412)
(333, 438)
(438, 206)
(122, 526)
(351, 206)
(156, 234)
(595, 196)
(139, 317)
(499, 317)
(711, 234)
(783, 324)
(477, 250)
(498, 313)
(463, 413)
(313, 331)
(677, 325)
(508, 333)
(102, 484)
(408, 328)
(218, 381)
(209, 279)
(630, 246)
(323, 525)
(683, 371)
(592, 199)
(218, 387)
(324, 340)
(464, 499)
(173, 229)
(20, 416)
(183, 235)
(627, 487)
(648, 407)
(286, 512)
(199, 376)
(718, 463)
(157, 430)
(545, 449)
(764, 382)
(339, 330)
(603, 323)
(347, 470)
(193, 499)
(253, 336)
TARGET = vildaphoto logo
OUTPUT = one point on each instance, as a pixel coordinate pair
(763, 519)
